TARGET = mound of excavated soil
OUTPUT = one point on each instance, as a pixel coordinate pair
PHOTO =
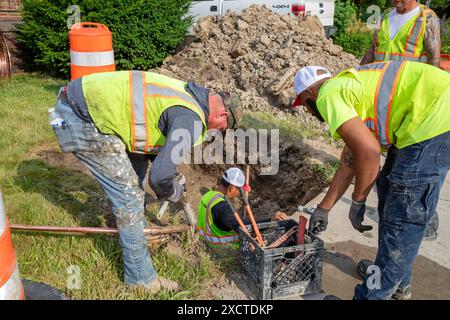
(255, 54)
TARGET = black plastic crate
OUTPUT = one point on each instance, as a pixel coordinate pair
(282, 272)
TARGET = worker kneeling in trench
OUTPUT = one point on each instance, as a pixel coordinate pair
(217, 224)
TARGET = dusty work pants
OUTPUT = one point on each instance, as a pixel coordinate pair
(408, 191)
(107, 159)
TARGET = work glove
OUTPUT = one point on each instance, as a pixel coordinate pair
(178, 187)
(319, 220)
(356, 216)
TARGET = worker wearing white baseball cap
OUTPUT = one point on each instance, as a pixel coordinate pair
(400, 107)
(216, 222)
(307, 79)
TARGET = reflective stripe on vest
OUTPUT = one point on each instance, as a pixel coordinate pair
(216, 239)
(386, 87)
(380, 56)
(409, 54)
(139, 92)
(139, 138)
(92, 59)
(208, 212)
(154, 90)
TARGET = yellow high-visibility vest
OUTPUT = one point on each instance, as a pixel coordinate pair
(129, 104)
(205, 223)
(401, 102)
(408, 43)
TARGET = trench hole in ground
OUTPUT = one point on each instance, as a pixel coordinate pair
(297, 182)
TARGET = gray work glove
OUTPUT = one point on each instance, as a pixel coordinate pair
(178, 187)
(319, 220)
(356, 216)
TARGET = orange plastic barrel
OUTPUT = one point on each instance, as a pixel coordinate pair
(445, 62)
(11, 287)
(91, 49)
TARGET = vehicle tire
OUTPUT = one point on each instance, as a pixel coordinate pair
(41, 291)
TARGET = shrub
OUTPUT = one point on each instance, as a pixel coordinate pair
(144, 31)
(344, 13)
(352, 35)
(356, 42)
(445, 37)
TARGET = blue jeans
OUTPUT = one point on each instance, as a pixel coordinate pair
(408, 192)
(107, 159)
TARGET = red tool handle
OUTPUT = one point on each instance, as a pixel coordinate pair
(302, 221)
(246, 187)
(239, 220)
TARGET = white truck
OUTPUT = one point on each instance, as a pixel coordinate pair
(324, 9)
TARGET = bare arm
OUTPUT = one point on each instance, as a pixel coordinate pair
(366, 151)
(433, 40)
(369, 57)
(341, 180)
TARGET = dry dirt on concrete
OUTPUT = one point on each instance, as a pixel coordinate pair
(430, 280)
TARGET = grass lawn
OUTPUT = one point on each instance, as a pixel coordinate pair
(37, 192)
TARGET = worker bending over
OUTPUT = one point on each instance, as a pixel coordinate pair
(401, 107)
(116, 122)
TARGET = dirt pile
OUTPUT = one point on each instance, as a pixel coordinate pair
(255, 54)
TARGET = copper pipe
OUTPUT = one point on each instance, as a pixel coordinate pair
(247, 182)
(252, 218)
(93, 230)
(282, 238)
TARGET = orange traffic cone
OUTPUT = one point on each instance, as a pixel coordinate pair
(11, 287)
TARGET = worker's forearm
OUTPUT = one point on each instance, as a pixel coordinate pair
(340, 183)
(369, 57)
(435, 62)
(367, 167)
(179, 127)
(432, 40)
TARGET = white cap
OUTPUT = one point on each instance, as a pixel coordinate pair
(305, 78)
(235, 177)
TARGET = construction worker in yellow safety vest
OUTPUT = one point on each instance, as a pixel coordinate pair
(408, 32)
(116, 123)
(216, 222)
(397, 106)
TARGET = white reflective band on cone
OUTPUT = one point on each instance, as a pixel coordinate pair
(12, 289)
(2, 215)
(92, 59)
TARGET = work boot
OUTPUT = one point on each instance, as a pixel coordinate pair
(162, 284)
(431, 233)
(362, 267)
(331, 297)
(400, 293)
